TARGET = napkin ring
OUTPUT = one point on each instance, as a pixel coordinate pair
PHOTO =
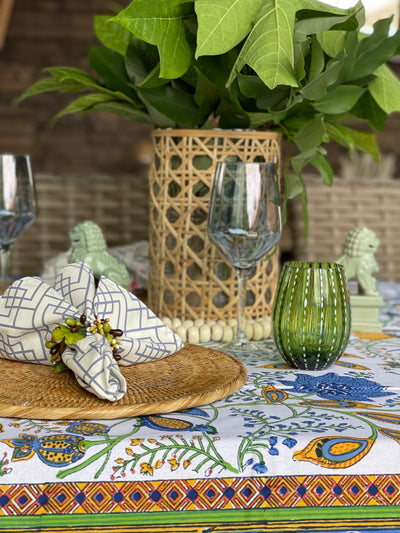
(76, 329)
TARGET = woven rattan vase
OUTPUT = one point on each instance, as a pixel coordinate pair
(188, 278)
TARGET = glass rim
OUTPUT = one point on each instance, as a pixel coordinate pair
(227, 162)
(317, 265)
(7, 154)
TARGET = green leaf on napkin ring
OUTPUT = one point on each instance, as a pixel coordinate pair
(75, 330)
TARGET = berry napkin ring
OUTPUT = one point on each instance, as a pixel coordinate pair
(76, 329)
(91, 330)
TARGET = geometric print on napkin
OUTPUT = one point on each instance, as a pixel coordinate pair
(76, 284)
(146, 338)
(30, 310)
(99, 375)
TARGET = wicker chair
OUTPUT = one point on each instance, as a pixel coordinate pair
(333, 211)
(119, 204)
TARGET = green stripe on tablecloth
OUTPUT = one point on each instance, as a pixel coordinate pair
(332, 518)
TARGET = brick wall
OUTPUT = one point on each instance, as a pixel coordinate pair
(45, 33)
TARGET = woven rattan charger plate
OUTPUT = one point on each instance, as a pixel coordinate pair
(195, 375)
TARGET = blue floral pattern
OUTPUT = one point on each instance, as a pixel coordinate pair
(335, 387)
(281, 417)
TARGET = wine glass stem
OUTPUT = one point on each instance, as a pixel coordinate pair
(4, 262)
(242, 275)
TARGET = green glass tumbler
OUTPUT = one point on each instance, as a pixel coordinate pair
(311, 315)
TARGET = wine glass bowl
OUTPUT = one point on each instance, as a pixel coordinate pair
(18, 206)
(244, 223)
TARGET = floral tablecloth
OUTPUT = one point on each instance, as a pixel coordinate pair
(292, 450)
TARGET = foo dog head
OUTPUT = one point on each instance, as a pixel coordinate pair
(86, 238)
(89, 246)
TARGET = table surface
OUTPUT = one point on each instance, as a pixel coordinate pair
(292, 450)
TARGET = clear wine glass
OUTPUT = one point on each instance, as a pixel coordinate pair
(17, 204)
(244, 223)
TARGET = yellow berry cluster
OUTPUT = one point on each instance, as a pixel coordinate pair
(112, 335)
(76, 329)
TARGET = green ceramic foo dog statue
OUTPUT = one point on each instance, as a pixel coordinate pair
(358, 259)
(89, 246)
(359, 263)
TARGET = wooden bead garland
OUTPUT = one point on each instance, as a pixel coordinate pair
(200, 331)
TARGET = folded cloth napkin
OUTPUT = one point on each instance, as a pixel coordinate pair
(30, 310)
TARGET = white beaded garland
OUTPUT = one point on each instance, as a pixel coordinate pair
(227, 333)
(193, 335)
(216, 333)
(181, 331)
(200, 331)
(176, 322)
(257, 331)
(205, 333)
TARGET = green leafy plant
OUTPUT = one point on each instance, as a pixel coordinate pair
(299, 67)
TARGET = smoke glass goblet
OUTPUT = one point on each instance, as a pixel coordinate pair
(18, 207)
(244, 223)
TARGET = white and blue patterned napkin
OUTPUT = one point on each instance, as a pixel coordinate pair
(30, 309)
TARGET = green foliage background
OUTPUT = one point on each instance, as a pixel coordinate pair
(299, 67)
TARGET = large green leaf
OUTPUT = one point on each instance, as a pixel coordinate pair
(111, 34)
(126, 110)
(161, 22)
(341, 134)
(64, 80)
(269, 46)
(310, 135)
(230, 117)
(320, 24)
(110, 66)
(251, 86)
(318, 86)
(311, 8)
(300, 49)
(217, 68)
(268, 49)
(385, 89)
(140, 59)
(332, 41)
(258, 120)
(223, 24)
(324, 168)
(50, 85)
(63, 74)
(207, 94)
(354, 139)
(350, 47)
(376, 49)
(294, 107)
(178, 106)
(317, 59)
(293, 185)
(367, 109)
(83, 104)
(300, 160)
(153, 79)
(340, 99)
(277, 99)
(365, 141)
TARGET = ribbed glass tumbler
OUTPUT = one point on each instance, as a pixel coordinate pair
(311, 315)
